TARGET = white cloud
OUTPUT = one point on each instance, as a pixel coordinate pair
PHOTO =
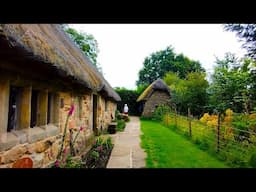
(123, 47)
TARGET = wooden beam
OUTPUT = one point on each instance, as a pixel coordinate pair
(4, 104)
(42, 108)
(25, 108)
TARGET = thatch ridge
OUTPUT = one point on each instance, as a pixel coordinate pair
(111, 94)
(156, 85)
(49, 44)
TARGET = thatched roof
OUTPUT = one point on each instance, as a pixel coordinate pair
(50, 45)
(156, 85)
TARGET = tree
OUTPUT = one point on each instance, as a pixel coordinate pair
(141, 88)
(196, 94)
(86, 42)
(159, 63)
(188, 93)
(247, 34)
(178, 90)
(231, 85)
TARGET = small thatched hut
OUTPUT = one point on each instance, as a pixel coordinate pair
(157, 93)
(42, 72)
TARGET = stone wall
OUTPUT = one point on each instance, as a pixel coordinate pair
(104, 113)
(111, 108)
(100, 113)
(43, 152)
(156, 99)
(42, 144)
(81, 117)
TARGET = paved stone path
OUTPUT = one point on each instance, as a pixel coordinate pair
(127, 152)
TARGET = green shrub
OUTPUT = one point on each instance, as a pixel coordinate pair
(94, 155)
(71, 163)
(204, 145)
(108, 143)
(160, 111)
(252, 161)
(118, 115)
(97, 142)
(120, 125)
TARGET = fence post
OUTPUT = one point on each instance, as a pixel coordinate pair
(218, 133)
(189, 122)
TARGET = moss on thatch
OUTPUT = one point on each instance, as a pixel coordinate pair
(49, 44)
(156, 85)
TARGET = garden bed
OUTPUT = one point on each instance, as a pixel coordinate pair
(98, 155)
(92, 160)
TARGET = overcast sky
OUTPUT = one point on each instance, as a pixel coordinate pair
(123, 47)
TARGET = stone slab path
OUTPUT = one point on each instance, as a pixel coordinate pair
(127, 152)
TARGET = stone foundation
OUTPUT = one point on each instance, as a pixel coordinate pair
(43, 153)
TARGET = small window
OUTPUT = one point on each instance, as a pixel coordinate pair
(14, 107)
(34, 108)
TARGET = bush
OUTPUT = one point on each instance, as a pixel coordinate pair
(204, 145)
(160, 111)
(118, 115)
(120, 125)
(72, 163)
(253, 160)
(108, 143)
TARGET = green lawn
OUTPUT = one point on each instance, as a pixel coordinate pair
(167, 149)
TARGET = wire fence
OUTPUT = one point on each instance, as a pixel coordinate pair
(234, 146)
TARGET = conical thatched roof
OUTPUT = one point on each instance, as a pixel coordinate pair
(156, 85)
(49, 44)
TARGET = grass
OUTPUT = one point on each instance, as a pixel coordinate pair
(167, 149)
(234, 153)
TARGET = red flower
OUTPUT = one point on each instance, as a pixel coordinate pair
(71, 110)
(81, 128)
(57, 163)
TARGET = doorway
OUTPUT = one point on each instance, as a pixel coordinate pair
(13, 108)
